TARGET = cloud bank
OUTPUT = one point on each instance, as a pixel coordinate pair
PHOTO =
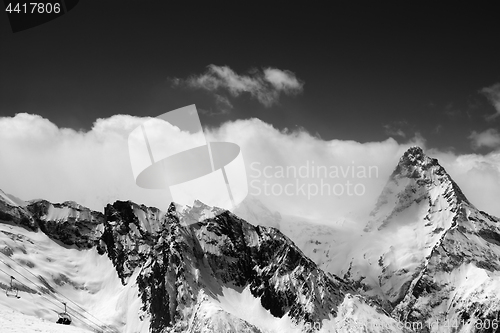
(40, 160)
(264, 85)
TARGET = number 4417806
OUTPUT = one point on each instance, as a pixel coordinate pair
(34, 8)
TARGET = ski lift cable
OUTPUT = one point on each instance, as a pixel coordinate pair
(10, 275)
(57, 292)
(39, 294)
(102, 326)
(21, 283)
(11, 290)
(75, 315)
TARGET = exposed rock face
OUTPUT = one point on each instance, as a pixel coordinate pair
(68, 222)
(129, 233)
(185, 261)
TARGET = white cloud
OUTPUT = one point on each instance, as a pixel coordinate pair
(489, 138)
(492, 93)
(266, 149)
(40, 160)
(283, 80)
(266, 85)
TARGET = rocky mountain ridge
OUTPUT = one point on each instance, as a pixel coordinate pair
(191, 261)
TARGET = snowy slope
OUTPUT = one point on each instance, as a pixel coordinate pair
(327, 243)
(461, 277)
(16, 322)
(191, 269)
(48, 274)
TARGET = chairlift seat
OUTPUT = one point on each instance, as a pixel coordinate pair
(64, 317)
(12, 291)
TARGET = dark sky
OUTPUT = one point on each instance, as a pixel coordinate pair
(413, 66)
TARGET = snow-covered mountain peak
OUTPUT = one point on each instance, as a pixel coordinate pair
(193, 214)
(415, 164)
(418, 206)
(252, 210)
(427, 253)
(418, 182)
(415, 155)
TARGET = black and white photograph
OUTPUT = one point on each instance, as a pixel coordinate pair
(249, 167)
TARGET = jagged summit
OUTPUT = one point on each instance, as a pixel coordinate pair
(416, 164)
(414, 153)
(416, 179)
